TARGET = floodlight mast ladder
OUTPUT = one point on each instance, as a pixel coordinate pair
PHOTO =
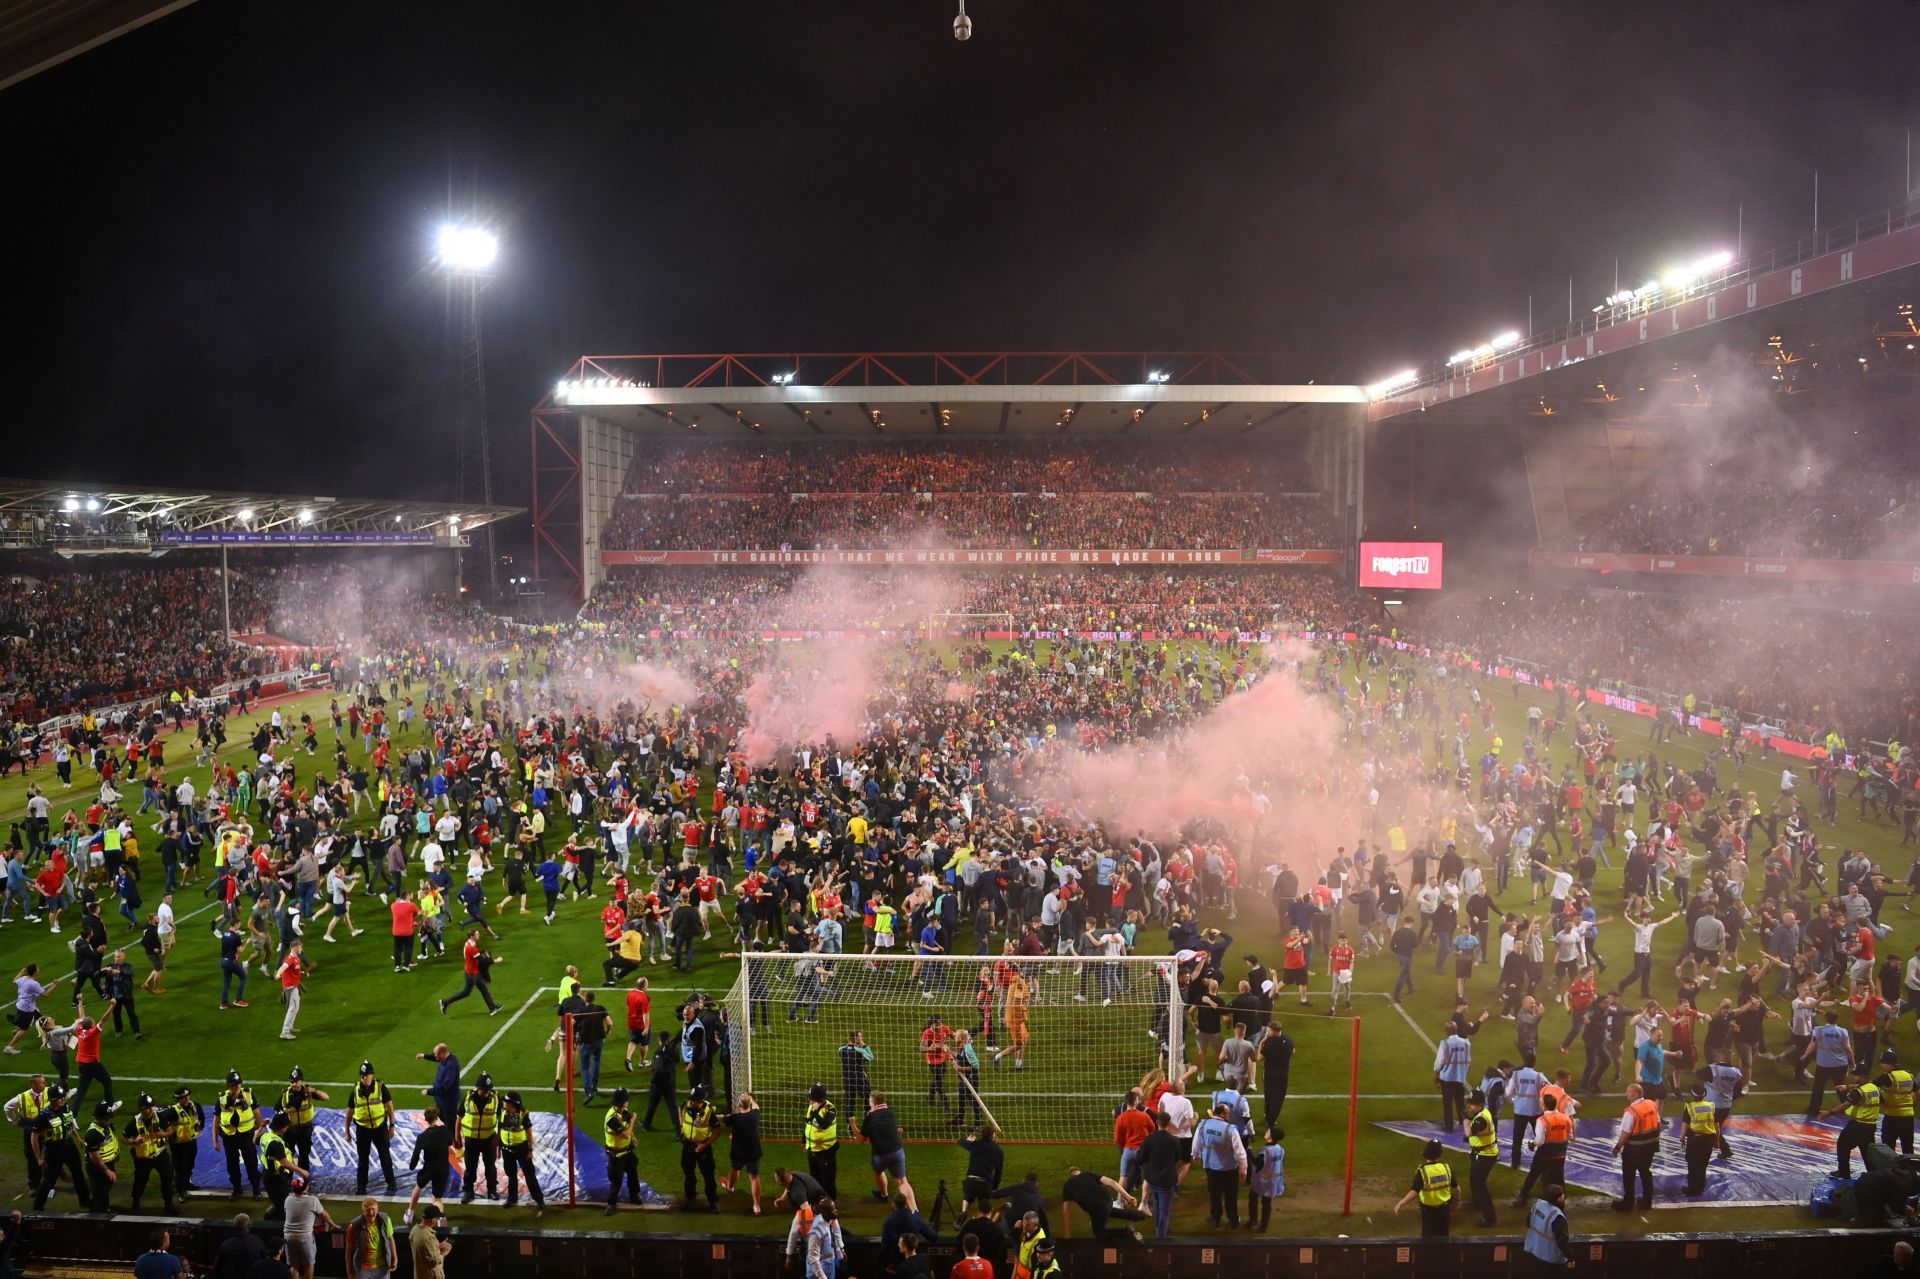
(473, 475)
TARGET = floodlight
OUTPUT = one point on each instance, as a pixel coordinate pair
(71, 504)
(245, 514)
(467, 248)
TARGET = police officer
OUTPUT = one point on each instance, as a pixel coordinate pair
(296, 1103)
(276, 1157)
(1549, 1243)
(1483, 1145)
(24, 1109)
(1861, 1104)
(103, 1157)
(236, 1126)
(1703, 1133)
(1896, 1103)
(56, 1147)
(370, 1115)
(516, 1151)
(617, 1137)
(1433, 1187)
(151, 1136)
(476, 1135)
(184, 1142)
(699, 1125)
(822, 1139)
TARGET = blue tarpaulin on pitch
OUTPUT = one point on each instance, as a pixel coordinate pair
(1777, 1159)
(336, 1160)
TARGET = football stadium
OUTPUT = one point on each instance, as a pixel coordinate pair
(975, 812)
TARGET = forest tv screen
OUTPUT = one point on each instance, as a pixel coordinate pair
(1400, 566)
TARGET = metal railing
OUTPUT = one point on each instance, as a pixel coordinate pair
(1817, 243)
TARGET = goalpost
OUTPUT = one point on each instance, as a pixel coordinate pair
(1059, 1040)
(971, 626)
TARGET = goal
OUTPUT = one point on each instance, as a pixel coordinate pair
(1091, 1029)
(969, 626)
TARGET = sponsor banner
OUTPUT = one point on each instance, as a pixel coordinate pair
(1778, 1159)
(1400, 566)
(1010, 557)
(239, 537)
(336, 1162)
(1866, 572)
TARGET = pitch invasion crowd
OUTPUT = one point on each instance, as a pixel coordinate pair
(1842, 506)
(1182, 603)
(1785, 662)
(495, 778)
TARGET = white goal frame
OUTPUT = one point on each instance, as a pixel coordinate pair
(1153, 1002)
(938, 622)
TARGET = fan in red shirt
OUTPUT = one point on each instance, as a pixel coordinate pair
(406, 913)
(639, 1022)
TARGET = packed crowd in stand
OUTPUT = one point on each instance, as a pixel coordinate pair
(1176, 601)
(987, 466)
(1003, 493)
(1129, 520)
(69, 640)
(1787, 661)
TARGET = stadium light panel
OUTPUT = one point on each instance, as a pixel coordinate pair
(306, 516)
(467, 248)
(1460, 357)
(71, 504)
(244, 514)
(1510, 338)
(1386, 386)
(93, 504)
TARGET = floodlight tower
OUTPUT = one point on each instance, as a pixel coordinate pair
(467, 254)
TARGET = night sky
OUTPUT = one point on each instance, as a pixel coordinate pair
(218, 228)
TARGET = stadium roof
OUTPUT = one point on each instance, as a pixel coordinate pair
(111, 516)
(903, 396)
(37, 34)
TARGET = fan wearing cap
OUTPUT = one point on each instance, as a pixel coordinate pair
(56, 1147)
(516, 1150)
(296, 1103)
(236, 1129)
(622, 1165)
(370, 1116)
(189, 1119)
(150, 1134)
(304, 1214)
(476, 1136)
(103, 1156)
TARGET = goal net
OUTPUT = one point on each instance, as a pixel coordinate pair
(968, 626)
(1058, 1041)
